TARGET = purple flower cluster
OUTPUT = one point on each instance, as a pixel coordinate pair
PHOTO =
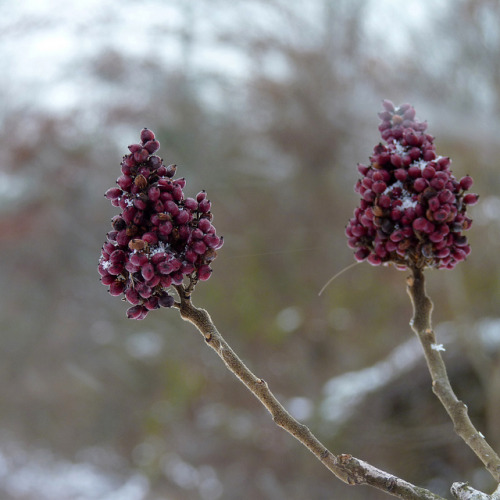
(412, 210)
(160, 237)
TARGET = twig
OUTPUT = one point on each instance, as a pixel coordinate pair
(462, 491)
(347, 468)
(457, 410)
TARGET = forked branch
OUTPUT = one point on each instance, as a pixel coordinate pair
(347, 468)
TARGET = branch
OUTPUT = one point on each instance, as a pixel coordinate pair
(457, 410)
(348, 469)
(462, 491)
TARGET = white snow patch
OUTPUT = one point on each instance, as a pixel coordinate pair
(301, 408)
(144, 345)
(421, 164)
(345, 392)
(406, 197)
(437, 347)
(389, 189)
(489, 333)
(161, 246)
(40, 474)
(203, 479)
(407, 200)
(399, 148)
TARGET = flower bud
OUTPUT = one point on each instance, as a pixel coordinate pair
(152, 146)
(146, 136)
(182, 217)
(177, 193)
(151, 238)
(128, 162)
(165, 267)
(133, 148)
(170, 172)
(156, 240)
(132, 296)
(111, 236)
(388, 106)
(165, 228)
(113, 193)
(428, 172)
(118, 223)
(437, 184)
(147, 271)
(204, 272)
(471, 199)
(411, 204)
(379, 187)
(140, 204)
(190, 204)
(151, 303)
(143, 290)
(166, 300)
(172, 208)
(122, 238)
(199, 247)
(140, 181)
(401, 174)
(363, 169)
(191, 255)
(420, 184)
(211, 240)
(141, 156)
(124, 181)
(177, 277)
(116, 288)
(466, 182)
(107, 279)
(117, 257)
(132, 268)
(362, 254)
(414, 172)
(165, 281)
(187, 268)
(138, 259)
(374, 259)
(137, 244)
(137, 312)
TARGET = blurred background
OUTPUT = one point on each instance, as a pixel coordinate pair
(268, 105)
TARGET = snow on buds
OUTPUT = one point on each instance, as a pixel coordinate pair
(412, 210)
(160, 237)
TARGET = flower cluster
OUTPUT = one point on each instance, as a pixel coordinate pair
(412, 210)
(160, 237)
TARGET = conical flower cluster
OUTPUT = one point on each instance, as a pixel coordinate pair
(160, 237)
(412, 210)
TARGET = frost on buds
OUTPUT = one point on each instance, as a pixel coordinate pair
(412, 210)
(160, 237)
